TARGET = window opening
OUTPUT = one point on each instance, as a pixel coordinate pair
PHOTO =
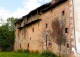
(67, 45)
(28, 45)
(20, 45)
(66, 30)
(32, 29)
(30, 38)
(46, 25)
(63, 12)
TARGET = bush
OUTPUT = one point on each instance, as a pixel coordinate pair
(26, 51)
(36, 52)
(48, 54)
(20, 51)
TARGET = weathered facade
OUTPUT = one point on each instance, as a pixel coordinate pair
(49, 27)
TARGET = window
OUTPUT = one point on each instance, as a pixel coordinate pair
(67, 45)
(63, 12)
(46, 25)
(20, 45)
(66, 30)
(30, 38)
(32, 29)
(50, 43)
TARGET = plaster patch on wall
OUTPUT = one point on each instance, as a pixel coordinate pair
(77, 23)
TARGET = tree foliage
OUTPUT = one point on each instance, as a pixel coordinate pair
(7, 35)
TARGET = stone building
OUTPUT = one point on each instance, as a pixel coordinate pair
(53, 26)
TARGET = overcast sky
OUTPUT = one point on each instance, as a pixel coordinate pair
(18, 8)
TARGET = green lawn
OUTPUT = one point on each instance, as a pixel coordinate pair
(18, 54)
(23, 54)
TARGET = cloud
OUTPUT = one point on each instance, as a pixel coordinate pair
(28, 5)
(4, 13)
(47, 0)
(31, 4)
(19, 13)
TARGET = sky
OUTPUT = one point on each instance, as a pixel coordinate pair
(18, 8)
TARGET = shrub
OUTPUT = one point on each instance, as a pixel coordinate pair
(23, 51)
(20, 51)
(48, 54)
(36, 52)
(26, 51)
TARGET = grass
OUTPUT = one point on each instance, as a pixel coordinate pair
(18, 54)
(24, 54)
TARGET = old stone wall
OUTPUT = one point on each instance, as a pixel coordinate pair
(55, 22)
(53, 32)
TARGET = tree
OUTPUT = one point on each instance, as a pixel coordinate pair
(7, 35)
(11, 22)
